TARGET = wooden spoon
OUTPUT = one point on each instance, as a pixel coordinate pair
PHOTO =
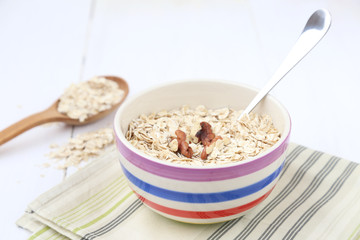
(53, 115)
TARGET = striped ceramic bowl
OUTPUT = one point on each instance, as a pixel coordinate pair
(200, 194)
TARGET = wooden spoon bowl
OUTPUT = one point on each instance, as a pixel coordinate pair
(52, 114)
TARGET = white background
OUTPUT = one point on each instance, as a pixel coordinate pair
(46, 45)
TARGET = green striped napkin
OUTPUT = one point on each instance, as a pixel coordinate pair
(317, 197)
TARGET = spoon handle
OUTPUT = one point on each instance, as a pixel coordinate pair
(27, 123)
(308, 39)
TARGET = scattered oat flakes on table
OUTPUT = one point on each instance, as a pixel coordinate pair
(82, 147)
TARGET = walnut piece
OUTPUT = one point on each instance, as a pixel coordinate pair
(205, 134)
(207, 138)
(183, 146)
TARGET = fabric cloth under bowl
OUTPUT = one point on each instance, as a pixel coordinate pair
(317, 197)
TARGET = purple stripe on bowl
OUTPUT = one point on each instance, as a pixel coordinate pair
(201, 174)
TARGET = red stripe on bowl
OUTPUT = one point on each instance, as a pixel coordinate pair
(205, 214)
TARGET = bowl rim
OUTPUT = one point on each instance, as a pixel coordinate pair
(119, 135)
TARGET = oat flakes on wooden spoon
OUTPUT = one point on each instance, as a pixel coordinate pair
(80, 104)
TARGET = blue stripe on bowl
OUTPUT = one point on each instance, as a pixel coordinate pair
(202, 197)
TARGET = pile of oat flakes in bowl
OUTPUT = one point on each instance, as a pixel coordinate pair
(200, 136)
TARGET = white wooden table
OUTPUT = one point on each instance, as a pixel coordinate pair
(46, 45)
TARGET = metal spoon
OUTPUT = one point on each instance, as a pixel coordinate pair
(53, 115)
(315, 29)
